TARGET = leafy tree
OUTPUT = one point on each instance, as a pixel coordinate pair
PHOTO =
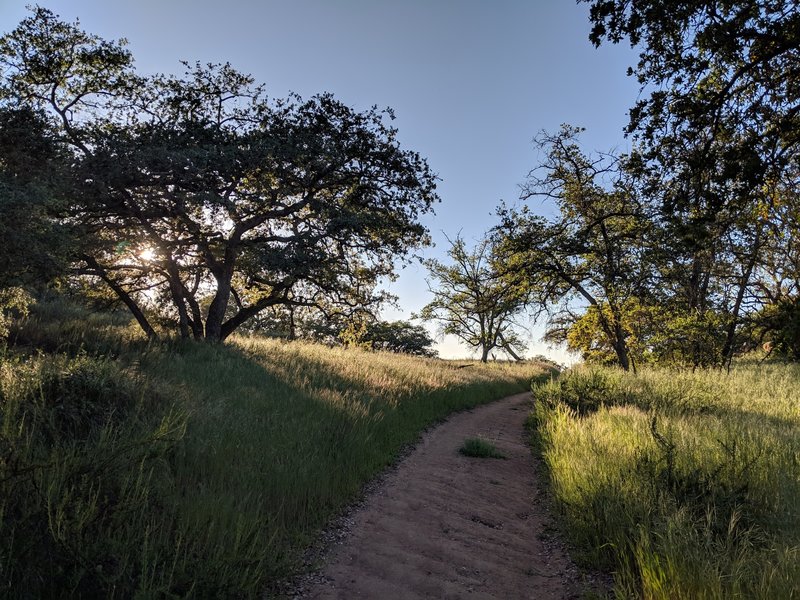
(199, 187)
(594, 251)
(399, 336)
(35, 247)
(717, 130)
(584, 332)
(475, 300)
(712, 66)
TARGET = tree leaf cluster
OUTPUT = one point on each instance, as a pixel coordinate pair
(200, 200)
(682, 251)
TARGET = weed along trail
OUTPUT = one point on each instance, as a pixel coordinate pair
(446, 525)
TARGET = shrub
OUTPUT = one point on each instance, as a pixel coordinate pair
(480, 448)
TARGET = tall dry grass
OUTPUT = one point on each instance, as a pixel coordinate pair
(684, 485)
(182, 469)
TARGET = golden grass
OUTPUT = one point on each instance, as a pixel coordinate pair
(685, 485)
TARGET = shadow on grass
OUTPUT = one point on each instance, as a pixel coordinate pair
(274, 449)
(279, 437)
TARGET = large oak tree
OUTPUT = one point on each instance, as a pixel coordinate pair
(206, 200)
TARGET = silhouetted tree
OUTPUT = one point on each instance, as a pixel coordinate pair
(474, 301)
(199, 187)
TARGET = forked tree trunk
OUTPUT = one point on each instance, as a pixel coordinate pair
(730, 337)
(216, 312)
(219, 305)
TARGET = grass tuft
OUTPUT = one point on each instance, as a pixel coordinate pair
(480, 448)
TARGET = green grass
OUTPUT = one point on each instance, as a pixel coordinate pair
(683, 485)
(480, 448)
(192, 470)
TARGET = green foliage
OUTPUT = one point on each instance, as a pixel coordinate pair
(14, 304)
(586, 334)
(584, 395)
(399, 336)
(195, 469)
(654, 335)
(716, 150)
(354, 334)
(636, 278)
(707, 63)
(684, 485)
(693, 339)
(593, 252)
(35, 246)
(779, 325)
(480, 448)
(83, 466)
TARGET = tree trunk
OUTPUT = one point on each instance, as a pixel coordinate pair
(292, 332)
(485, 353)
(621, 347)
(507, 347)
(727, 349)
(278, 296)
(176, 290)
(223, 274)
(196, 322)
(216, 312)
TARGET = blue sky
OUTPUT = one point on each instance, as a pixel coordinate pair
(471, 82)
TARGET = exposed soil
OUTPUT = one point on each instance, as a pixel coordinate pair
(443, 525)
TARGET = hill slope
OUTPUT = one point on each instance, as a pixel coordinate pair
(194, 469)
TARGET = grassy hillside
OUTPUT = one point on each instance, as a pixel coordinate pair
(189, 469)
(684, 485)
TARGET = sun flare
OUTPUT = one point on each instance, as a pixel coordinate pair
(147, 254)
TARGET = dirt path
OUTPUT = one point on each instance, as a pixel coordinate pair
(443, 525)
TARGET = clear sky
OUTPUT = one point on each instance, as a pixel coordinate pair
(471, 82)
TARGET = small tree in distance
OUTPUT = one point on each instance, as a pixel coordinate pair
(474, 301)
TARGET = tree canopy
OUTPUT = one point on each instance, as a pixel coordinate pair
(716, 147)
(35, 245)
(592, 252)
(710, 65)
(205, 201)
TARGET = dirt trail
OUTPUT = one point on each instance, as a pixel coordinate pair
(443, 525)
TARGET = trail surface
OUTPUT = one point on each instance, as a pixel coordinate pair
(443, 525)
